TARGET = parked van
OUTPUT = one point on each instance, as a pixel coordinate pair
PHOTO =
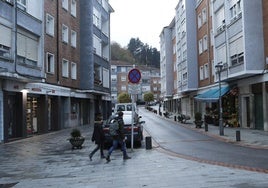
(125, 107)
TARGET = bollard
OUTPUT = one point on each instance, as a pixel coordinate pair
(238, 136)
(148, 142)
(206, 127)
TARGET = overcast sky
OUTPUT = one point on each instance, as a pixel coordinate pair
(143, 19)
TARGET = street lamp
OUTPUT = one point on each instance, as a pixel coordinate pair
(219, 69)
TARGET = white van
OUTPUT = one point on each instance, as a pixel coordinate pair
(125, 107)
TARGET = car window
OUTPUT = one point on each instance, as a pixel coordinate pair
(121, 108)
(129, 107)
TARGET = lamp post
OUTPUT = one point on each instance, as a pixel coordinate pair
(219, 69)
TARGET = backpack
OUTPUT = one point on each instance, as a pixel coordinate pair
(114, 126)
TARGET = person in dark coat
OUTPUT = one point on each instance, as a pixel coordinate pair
(119, 139)
(98, 136)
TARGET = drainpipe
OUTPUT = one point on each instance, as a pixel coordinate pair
(209, 38)
(264, 93)
(58, 43)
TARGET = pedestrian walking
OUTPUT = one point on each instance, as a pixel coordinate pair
(119, 138)
(98, 136)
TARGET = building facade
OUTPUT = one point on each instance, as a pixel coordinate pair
(150, 81)
(231, 34)
(43, 66)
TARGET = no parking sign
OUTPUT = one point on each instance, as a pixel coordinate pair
(134, 76)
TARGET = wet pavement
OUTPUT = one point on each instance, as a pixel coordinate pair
(49, 161)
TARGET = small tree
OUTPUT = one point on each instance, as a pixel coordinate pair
(148, 97)
(124, 98)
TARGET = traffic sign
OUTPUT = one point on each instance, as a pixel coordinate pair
(134, 89)
(134, 76)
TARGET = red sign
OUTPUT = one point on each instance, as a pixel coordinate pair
(134, 76)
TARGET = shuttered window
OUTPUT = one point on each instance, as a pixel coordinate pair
(27, 48)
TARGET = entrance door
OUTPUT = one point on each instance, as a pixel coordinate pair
(258, 109)
(12, 116)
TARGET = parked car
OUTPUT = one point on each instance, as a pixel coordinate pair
(137, 129)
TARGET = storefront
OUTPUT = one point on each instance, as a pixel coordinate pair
(209, 105)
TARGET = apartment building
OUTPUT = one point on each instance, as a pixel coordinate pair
(185, 51)
(239, 47)
(150, 81)
(95, 55)
(50, 79)
(232, 34)
(21, 62)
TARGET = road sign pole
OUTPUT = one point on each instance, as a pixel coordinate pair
(132, 123)
(134, 76)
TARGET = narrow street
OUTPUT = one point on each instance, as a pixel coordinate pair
(48, 161)
(173, 137)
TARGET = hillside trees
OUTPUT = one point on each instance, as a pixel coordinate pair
(137, 53)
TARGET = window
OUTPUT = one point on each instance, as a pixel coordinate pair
(65, 4)
(113, 78)
(200, 46)
(211, 37)
(64, 33)
(221, 54)
(73, 8)
(123, 88)
(205, 42)
(237, 59)
(206, 71)
(204, 15)
(97, 45)
(73, 39)
(27, 48)
(65, 68)
(237, 51)
(50, 63)
(97, 74)
(235, 9)
(201, 73)
(184, 76)
(50, 24)
(73, 71)
(113, 69)
(219, 18)
(5, 42)
(106, 82)
(199, 20)
(96, 18)
(22, 4)
(123, 69)
(123, 78)
(184, 51)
